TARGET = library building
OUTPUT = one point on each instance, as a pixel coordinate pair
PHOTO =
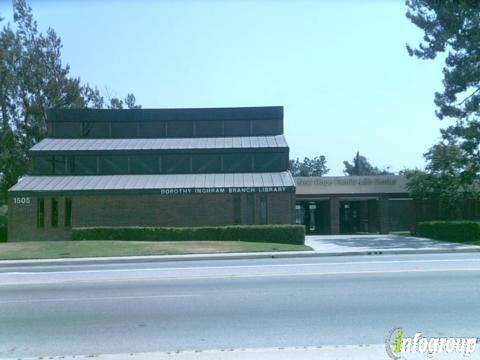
(154, 167)
(193, 167)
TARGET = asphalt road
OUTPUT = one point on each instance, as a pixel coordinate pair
(101, 309)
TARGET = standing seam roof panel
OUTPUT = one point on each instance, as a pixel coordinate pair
(229, 180)
(124, 182)
(147, 144)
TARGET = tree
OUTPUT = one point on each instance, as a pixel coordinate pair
(129, 102)
(33, 79)
(309, 167)
(442, 178)
(360, 166)
(453, 27)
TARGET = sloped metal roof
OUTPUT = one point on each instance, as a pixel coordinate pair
(256, 182)
(51, 144)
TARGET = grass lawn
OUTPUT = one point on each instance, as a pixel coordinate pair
(92, 248)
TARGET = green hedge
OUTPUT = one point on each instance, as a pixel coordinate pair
(3, 233)
(3, 224)
(458, 231)
(284, 234)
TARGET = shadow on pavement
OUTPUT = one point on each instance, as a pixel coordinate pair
(387, 242)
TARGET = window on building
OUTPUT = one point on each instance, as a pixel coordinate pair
(70, 164)
(207, 163)
(124, 129)
(54, 212)
(172, 164)
(299, 214)
(144, 164)
(269, 162)
(59, 166)
(40, 213)
(265, 127)
(237, 128)
(209, 128)
(237, 162)
(152, 129)
(85, 165)
(43, 165)
(312, 207)
(68, 212)
(68, 129)
(114, 164)
(95, 129)
(179, 128)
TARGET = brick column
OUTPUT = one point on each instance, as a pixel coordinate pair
(334, 216)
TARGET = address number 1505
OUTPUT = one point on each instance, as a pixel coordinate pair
(21, 200)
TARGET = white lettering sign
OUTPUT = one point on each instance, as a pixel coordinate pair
(21, 200)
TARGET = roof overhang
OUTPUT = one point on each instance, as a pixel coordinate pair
(172, 184)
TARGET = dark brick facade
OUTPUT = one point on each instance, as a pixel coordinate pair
(148, 210)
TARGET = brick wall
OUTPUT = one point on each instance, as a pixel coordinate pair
(144, 210)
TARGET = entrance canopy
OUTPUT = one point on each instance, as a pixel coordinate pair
(351, 185)
(351, 204)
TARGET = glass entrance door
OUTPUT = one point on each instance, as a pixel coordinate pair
(358, 216)
(315, 215)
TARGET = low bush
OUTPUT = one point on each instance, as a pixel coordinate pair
(3, 233)
(3, 224)
(284, 234)
(458, 231)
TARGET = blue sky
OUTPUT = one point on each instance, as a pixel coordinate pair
(340, 68)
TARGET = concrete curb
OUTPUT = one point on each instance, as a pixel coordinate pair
(227, 256)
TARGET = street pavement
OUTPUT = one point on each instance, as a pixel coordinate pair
(381, 243)
(185, 310)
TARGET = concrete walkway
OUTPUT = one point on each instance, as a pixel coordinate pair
(363, 352)
(379, 243)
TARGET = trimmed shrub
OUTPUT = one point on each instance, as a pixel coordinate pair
(3, 226)
(3, 233)
(284, 234)
(458, 231)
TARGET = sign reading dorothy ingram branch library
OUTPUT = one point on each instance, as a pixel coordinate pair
(227, 190)
(351, 184)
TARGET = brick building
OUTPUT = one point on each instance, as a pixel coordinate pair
(154, 167)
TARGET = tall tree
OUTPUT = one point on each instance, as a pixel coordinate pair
(33, 79)
(316, 166)
(453, 27)
(442, 178)
(129, 102)
(360, 166)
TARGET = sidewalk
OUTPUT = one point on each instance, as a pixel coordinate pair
(362, 352)
(322, 245)
(380, 243)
